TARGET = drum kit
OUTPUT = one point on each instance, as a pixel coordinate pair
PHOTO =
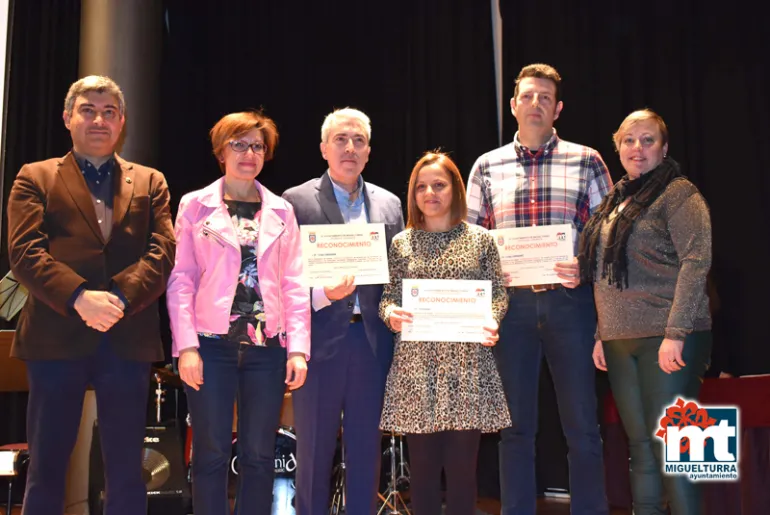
(397, 483)
(396, 474)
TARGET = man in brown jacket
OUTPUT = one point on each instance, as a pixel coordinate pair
(91, 238)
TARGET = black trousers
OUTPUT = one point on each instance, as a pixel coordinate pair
(56, 391)
(454, 452)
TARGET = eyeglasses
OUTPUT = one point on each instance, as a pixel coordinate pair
(241, 146)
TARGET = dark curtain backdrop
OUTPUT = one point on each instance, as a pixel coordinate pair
(705, 70)
(422, 71)
(425, 79)
(44, 40)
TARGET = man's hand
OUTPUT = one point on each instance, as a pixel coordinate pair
(120, 304)
(568, 272)
(296, 370)
(100, 310)
(191, 368)
(344, 288)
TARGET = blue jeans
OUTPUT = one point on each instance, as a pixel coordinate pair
(641, 391)
(559, 324)
(255, 375)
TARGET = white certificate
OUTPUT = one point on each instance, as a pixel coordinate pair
(529, 253)
(446, 310)
(333, 250)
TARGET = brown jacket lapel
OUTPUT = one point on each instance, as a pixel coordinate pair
(76, 185)
(124, 191)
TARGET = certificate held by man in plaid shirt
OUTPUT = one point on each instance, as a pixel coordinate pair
(542, 180)
(558, 183)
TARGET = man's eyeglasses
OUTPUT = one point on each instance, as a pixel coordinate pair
(241, 146)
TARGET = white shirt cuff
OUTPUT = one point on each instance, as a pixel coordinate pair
(319, 299)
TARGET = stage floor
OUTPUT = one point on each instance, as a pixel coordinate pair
(544, 507)
(486, 507)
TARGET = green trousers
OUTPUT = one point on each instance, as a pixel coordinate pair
(642, 391)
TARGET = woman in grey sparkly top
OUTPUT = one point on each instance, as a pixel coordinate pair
(647, 250)
(443, 395)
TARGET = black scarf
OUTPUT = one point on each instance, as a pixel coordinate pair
(643, 192)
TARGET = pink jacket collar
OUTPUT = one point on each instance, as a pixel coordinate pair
(271, 219)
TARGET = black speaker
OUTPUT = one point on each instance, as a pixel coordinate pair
(168, 492)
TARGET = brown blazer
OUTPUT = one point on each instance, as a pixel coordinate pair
(55, 246)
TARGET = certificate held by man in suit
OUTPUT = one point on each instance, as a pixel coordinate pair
(330, 251)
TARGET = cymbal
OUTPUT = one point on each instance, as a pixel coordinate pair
(167, 377)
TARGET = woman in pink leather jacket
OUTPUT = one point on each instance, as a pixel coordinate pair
(239, 314)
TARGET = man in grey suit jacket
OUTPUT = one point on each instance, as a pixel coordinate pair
(350, 346)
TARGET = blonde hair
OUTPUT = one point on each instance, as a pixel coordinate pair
(642, 115)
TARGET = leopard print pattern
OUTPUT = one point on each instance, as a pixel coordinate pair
(443, 386)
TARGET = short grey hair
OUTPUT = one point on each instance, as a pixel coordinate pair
(97, 83)
(345, 114)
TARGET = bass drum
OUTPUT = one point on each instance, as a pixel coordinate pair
(285, 471)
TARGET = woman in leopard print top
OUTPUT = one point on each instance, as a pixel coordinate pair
(443, 395)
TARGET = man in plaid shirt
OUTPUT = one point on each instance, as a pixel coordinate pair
(539, 179)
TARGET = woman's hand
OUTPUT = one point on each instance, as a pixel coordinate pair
(670, 355)
(490, 331)
(568, 272)
(191, 368)
(296, 370)
(598, 356)
(397, 318)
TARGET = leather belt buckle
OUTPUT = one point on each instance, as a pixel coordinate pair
(539, 288)
(356, 317)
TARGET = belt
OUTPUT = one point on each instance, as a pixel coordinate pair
(539, 288)
(356, 317)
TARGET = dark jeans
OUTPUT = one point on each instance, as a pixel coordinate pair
(255, 375)
(559, 324)
(56, 391)
(456, 452)
(641, 391)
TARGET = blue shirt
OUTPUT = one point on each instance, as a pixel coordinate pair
(353, 209)
(100, 182)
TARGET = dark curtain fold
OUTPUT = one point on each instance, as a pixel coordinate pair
(706, 72)
(44, 39)
(423, 71)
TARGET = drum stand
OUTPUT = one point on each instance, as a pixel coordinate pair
(160, 396)
(338, 494)
(391, 501)
(337, 506)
